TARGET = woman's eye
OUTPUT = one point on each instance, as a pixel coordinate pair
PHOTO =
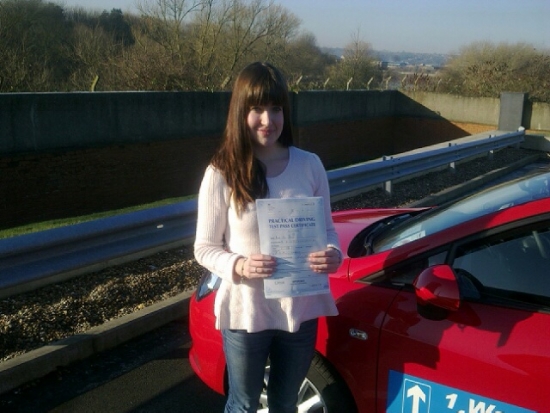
(277, 108)
(256, 109)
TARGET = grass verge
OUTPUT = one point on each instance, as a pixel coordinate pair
(61, 222)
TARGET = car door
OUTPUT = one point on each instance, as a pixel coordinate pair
(492, 354)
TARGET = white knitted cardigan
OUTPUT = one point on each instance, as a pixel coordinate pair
(243, 305)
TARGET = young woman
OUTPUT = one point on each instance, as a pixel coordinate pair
(256, 159)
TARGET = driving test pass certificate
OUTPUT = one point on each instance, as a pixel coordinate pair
(291, 228)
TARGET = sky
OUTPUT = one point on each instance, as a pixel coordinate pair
(419, 26)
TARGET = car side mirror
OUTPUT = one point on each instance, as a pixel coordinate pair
(437, 292)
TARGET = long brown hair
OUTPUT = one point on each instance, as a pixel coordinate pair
(257, 84)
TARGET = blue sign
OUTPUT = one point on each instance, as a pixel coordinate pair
(409, 394)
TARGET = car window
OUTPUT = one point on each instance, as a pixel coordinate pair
(514, 265)
(494, 199)
(405, 274)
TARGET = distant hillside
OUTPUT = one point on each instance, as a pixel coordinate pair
(409, 58)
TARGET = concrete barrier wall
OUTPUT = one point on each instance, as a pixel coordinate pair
(540, 117)
(70, 154)
(338, 106)
(483, 111)
(39, 122)
(51, 121)
(467, 110)
(47, 121)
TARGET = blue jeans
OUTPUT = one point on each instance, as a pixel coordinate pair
(290, 356)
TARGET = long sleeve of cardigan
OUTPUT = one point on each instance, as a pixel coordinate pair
(213, 204)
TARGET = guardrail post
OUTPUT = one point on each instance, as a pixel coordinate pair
(452, 165)
(388, 183)
(492, 151)
(517, 145)
(387, 187)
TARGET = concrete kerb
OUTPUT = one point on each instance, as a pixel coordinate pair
(40, 362)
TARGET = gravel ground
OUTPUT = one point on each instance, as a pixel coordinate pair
(29, 321)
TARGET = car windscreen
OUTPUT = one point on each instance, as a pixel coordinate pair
(497, 198)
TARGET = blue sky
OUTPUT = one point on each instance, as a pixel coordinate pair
(429, 26)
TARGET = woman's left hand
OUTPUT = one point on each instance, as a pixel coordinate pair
(326, 261)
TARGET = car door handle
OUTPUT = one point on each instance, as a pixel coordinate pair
(358, 334)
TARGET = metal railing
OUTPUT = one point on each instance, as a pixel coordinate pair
(31, 261)
(350, 180)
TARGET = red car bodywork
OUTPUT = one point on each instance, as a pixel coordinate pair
(486, 352)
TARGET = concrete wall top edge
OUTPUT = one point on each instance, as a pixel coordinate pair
(329, 106)
(55, 120)
(37, 122)
(45, 121)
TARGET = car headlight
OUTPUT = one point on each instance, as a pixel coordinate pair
(209, 282)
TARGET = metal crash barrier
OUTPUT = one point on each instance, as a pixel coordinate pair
(34, 260)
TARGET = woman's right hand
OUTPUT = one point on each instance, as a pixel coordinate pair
(259, 266)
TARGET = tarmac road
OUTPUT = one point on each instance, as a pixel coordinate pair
(148, 374)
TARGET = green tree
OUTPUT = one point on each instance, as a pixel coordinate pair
(304, 63)
(117, 26)
(227, 34)
(253, 30)
(98, 44)
(34, 46)
(487, 69)
(165, 22)
(171, 45)
(357, 68)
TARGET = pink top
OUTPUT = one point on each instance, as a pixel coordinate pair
(244, 306)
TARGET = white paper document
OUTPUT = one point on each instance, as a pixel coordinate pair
(290, 229)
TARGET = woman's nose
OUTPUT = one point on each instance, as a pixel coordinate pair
(265, 117)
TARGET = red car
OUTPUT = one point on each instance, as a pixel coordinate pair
(443, 309)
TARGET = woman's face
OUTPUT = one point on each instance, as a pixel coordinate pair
(266, 124)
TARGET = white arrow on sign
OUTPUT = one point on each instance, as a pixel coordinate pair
(417, 394)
